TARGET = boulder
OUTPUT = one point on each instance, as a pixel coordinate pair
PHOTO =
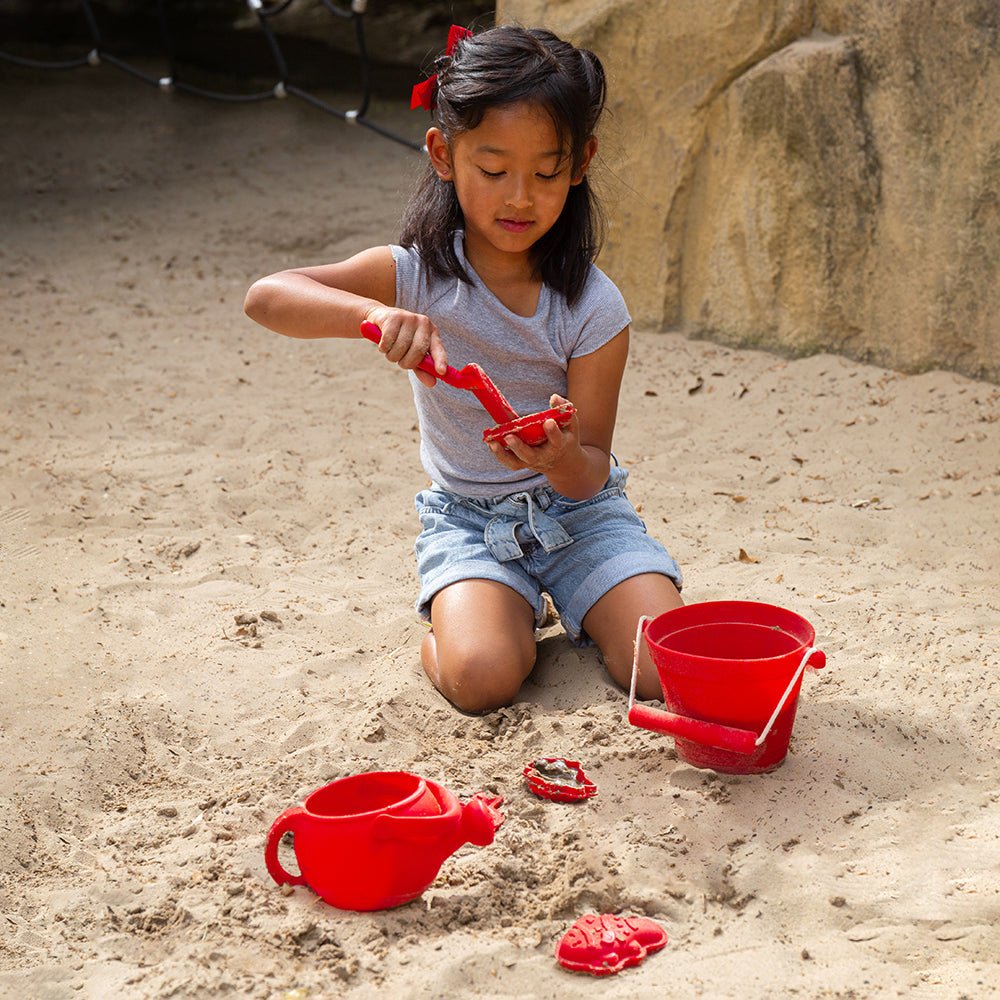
(803, 175)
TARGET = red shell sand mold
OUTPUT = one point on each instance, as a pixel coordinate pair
(559, 780)
(529, 429)
(602, 944)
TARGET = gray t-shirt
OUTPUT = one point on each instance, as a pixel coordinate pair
(525, 356)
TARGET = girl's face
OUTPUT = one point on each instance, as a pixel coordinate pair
(511, 175)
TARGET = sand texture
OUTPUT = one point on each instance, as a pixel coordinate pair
(167, 467)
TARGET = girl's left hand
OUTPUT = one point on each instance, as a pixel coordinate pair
(560, 443)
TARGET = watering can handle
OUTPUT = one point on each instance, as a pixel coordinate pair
(285, 823)
(711, 734)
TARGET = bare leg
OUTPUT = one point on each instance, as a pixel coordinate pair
(483, 644)
(612, 621)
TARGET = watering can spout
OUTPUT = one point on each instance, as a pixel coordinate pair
(473, 822)
(481, 818)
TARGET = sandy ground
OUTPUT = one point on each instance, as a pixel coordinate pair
(168, 466)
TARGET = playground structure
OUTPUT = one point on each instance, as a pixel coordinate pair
(264, 13)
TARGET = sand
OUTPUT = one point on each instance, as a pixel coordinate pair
(168, 466)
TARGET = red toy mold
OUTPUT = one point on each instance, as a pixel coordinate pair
(602, 944)
(530, 429)
(559, 780)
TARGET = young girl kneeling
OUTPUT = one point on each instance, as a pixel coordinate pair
(495, 266)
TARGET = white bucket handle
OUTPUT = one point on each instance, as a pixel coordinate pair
(774, 715)
(635, 657)
(788, 690)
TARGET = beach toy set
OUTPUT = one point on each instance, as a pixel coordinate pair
(730, 672)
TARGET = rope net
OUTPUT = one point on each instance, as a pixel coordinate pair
(263, 12)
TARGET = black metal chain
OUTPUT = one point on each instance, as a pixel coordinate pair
(99, 54)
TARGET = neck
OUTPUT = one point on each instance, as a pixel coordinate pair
(495, 267)
(512, 278)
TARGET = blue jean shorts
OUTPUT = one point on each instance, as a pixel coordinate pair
(537, 541)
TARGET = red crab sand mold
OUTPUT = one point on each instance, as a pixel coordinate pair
(602, 944)
(529, 429)
(559, 780)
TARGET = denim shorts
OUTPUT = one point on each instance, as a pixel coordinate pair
(537, 541)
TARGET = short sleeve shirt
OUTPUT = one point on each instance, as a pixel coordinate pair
(526, 357)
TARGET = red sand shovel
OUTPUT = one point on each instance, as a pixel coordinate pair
(529, 429)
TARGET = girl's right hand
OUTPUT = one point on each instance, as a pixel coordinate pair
(406, 338)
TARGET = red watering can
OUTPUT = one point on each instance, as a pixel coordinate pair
(377, 840)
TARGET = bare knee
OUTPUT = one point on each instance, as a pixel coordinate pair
(477, 677)
(611, 623)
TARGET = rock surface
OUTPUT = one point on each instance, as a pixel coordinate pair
(806, 174)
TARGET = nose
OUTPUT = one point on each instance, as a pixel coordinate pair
(518, 194)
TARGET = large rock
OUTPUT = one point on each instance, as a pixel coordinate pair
(804, 175)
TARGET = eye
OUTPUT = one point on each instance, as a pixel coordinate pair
(548, 177)
(491, 173)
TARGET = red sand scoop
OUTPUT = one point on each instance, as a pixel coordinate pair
(529, 429)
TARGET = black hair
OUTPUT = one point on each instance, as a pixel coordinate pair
(503, 66)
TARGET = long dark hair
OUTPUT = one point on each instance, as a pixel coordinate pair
(502, 66)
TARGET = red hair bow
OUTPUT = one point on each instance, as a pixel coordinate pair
(424, 93)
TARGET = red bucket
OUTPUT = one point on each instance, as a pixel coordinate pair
(730, 673)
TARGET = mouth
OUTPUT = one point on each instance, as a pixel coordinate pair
(515, 225)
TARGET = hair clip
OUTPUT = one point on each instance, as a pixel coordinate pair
(424, 93)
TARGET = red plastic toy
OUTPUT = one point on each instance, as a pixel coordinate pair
(377, 840)
(529, 429)
(731, 672)
(471, 377)
(602, 944)
(559, 780)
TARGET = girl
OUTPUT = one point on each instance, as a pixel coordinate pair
(495, 266)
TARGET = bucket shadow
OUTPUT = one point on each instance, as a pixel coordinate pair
(847, 763)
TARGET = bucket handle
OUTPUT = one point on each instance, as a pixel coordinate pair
(709, 733)
(821, 661)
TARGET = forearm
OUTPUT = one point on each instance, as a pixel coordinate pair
(582, 474)
(297, 306)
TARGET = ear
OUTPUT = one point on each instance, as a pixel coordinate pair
(588, 154)
(439, 153)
